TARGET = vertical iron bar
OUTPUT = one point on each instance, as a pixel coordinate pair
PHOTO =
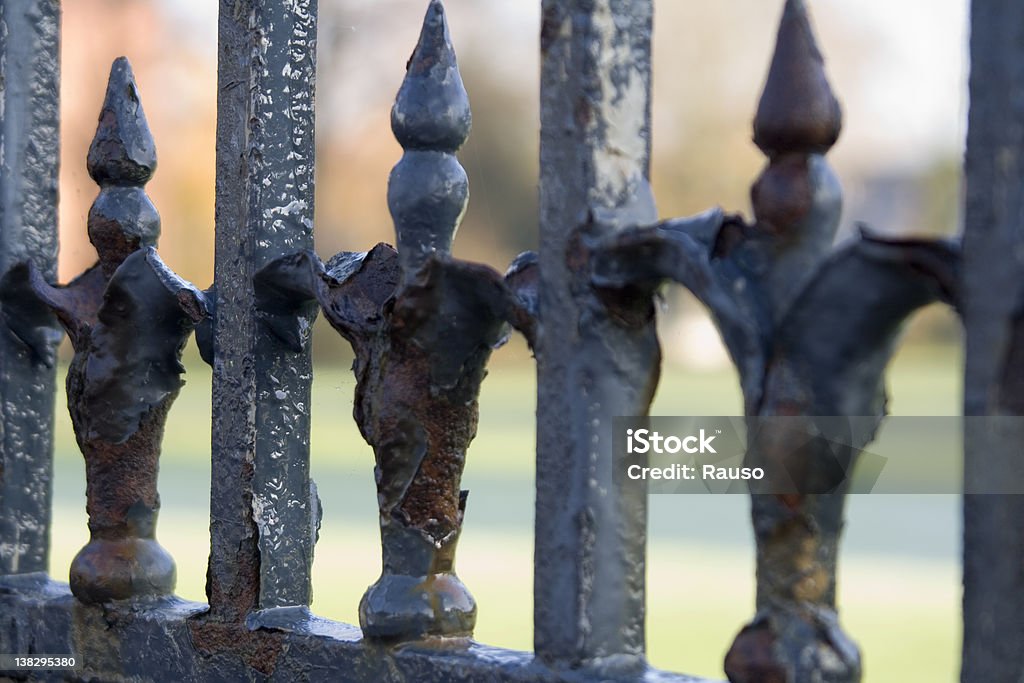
(993, 304)
(29, 163)
(594, 362)
(261, 497)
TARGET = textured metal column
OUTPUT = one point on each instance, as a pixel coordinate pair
(597, 357)
(29, 161)
(263, 510)
(993, 304)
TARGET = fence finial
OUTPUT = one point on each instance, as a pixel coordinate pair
(428, 188)
(122, 159)
(798, 111)
(431, 110)
(797, 199)
(123, 151)
(423, 325)
(128, 317)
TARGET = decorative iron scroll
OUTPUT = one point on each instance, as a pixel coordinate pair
(128, 317)
(422, 325)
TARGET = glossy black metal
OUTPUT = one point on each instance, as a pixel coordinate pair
(30, 140)
(128, 318)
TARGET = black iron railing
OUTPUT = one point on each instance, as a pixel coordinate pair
(811, 328)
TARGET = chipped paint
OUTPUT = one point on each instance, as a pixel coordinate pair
(597, 357)
(128, 317)
(261, 391)
(29, 161)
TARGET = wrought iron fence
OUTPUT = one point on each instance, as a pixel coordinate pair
(423, 324)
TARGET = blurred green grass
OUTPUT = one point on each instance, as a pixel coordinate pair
(901, 606)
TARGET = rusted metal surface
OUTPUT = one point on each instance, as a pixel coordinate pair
(993, 311)
(263, 506)
(810, 326)
(29, 161)
(128, 318)
(811, 329)
(422, 325)
(157, 641)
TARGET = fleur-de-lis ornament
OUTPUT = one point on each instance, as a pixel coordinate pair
(422, 325)
(128, 317)
(811, 329)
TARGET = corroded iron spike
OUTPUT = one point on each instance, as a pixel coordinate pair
(121, 160)
(428, 188)
(431, 110)
(422, 325)
(829, 356)
(797, 111)
(797, 199)
(128, 318)
(123, 151)
(421, 350)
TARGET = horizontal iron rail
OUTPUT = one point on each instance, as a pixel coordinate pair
(160, 642)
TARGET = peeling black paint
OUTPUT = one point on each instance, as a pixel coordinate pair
(128, 318)
(422, 325)
(30, 139)
(597, 355)
(261, 500)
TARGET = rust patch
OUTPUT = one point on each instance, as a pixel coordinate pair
(233, 602)
(797, 111)
(583, 111)
(259, 649)
(751, 659)
(1011, 389)
(629, 307)
(551, 25)
(782, 195)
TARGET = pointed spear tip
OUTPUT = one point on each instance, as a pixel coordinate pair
(798, 111)
(435, 18)
(121, 66)
(432, 108)
(123, 151)
(435, 42)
